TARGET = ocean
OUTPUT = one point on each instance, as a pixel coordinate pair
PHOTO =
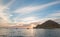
(18, 32)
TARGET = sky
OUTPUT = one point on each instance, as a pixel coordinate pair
(27, 11)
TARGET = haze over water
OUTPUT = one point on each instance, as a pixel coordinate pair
(4, 32)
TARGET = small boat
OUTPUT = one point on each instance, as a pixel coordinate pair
(27, 28)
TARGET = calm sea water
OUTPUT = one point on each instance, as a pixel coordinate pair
(4, 32)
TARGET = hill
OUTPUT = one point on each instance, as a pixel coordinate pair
(48, 24)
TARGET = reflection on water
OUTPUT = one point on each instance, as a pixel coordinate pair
(4, 32)
(47, 33)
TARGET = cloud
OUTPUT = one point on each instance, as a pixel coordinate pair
(57, 20)
(56, 14)
(29, 9)
(10, 3)
(2, 14)
(42, 20)
(0, 1)
(3, 11)
(27, 20)
(31, 19)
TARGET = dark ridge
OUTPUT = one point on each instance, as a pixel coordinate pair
(48, 24)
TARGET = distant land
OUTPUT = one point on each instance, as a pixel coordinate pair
(48, 25)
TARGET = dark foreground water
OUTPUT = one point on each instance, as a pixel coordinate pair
(4, 32)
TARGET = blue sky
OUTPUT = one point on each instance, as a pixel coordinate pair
(27, 11)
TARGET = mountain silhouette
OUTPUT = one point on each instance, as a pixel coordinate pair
(48, 24)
